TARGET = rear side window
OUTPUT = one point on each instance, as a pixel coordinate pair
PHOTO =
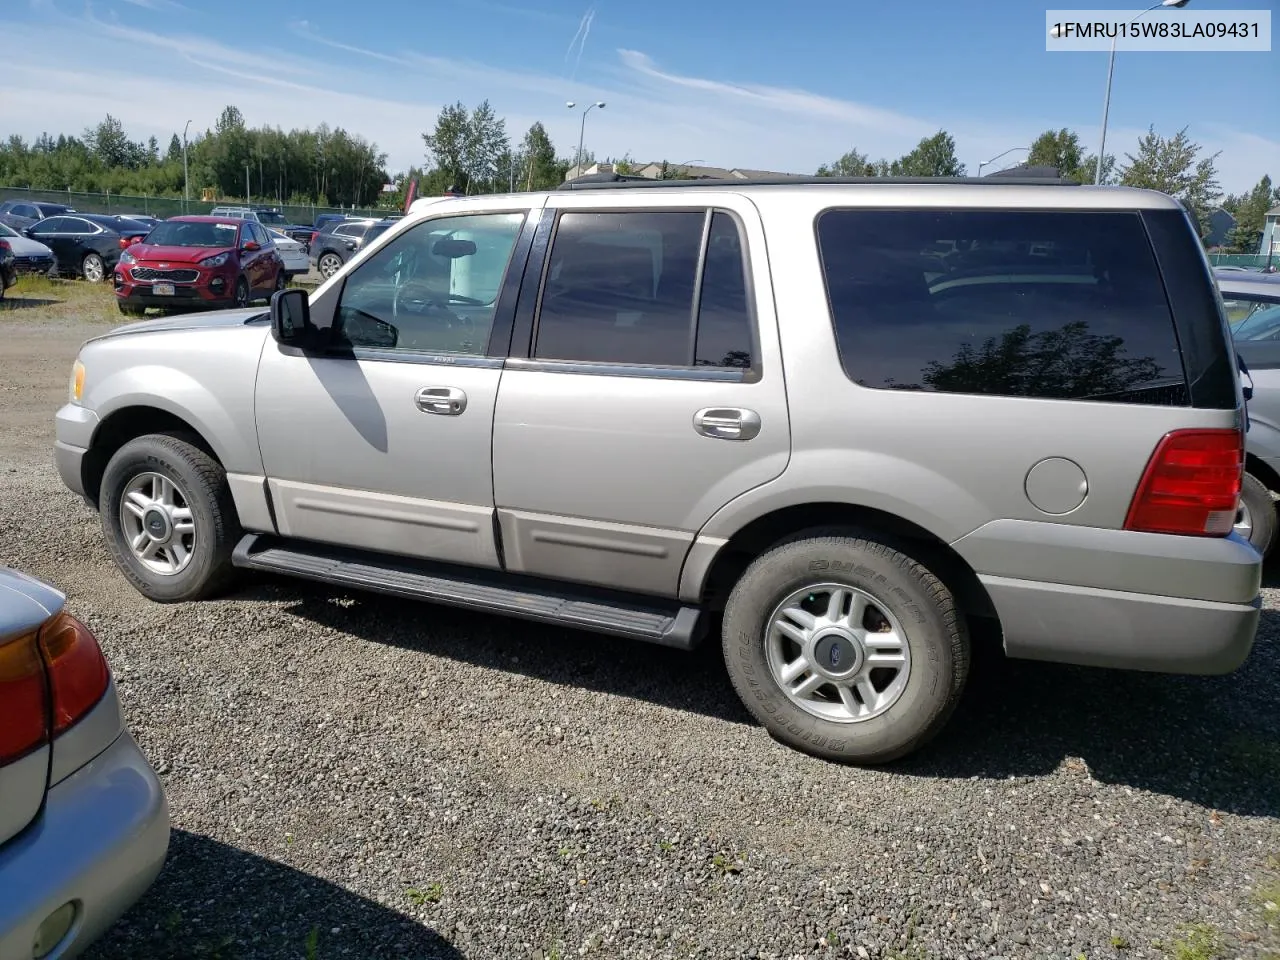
(1056, 305)
(652, 288)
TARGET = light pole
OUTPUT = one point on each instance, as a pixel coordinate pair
(577, 165)
(987, 163)
(1111, 67)
(185, 193)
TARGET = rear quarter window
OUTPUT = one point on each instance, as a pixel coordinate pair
(1063, 305)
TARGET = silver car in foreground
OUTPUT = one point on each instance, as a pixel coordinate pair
(850, 424)
(84, 825)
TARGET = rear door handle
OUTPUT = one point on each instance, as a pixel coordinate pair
(727, 423)
(445, 401)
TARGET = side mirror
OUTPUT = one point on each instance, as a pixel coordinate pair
(291, 319)
(251, 246)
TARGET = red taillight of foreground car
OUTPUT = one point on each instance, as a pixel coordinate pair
(49, 680)
(24, 709)
(78, 674)
(1191, 485)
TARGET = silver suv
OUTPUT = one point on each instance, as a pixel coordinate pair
(850, 422)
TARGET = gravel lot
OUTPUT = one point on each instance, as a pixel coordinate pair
(356, 777)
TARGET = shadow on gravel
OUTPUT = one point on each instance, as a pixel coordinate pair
(218, 902)
(11, 302)
(1214, 741)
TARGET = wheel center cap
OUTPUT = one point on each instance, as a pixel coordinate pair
(837, 654)
(156, 522)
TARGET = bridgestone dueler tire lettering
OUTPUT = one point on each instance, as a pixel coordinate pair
(204, 483)
(936, 633)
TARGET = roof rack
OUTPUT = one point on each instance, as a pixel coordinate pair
(1029, 176)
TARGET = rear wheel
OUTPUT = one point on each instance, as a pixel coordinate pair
(329, 264)
(132, 310)
(169, 518)
(845, 648)
(92, 268)
(1256, 519)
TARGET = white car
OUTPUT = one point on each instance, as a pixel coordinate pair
(291, 252)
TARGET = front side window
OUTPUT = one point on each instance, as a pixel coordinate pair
(623, 288)
(432, 289)
(1055, 305)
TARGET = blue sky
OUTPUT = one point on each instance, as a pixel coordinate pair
(733, 84)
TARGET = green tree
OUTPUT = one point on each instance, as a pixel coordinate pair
(1250, 212)
(852, 164)
(1061, 149)
(1174, 166)
(174, 153)
(486, 143)
(541, 169)
(933, 156)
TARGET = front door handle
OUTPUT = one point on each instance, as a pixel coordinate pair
(727, 423)
(446, 401)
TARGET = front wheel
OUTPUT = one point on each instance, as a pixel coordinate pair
(282, 280)
(1256, 518)
(132, 310)
(845, 648)
(169, 518)
(93, 269)
(242, 292)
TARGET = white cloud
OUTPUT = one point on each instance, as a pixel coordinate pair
(653, 112)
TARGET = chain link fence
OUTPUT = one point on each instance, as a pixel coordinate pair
(113, 203)
(1253, 261)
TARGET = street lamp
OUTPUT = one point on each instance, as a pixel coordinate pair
(582, 131)
(185, 196)
(987, 163)
(1111, 66)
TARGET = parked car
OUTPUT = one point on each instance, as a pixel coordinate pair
(143, 218)
(610, 408)
(273, 219)
(86, 244)
(84, 826)
(8, 272)
(1252, 303)
(20, 214)
(238, 213)
(29, 256)
(190, 262)
(292, 253)
(335, 243)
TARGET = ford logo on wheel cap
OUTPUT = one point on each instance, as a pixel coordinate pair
(834, 656)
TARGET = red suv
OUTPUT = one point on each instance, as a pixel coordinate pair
(192, 262)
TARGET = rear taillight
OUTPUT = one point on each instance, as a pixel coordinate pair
(1191, 485)
(48, 681)
(4, 245)
(314, 234)
(24, 711)
(78, 673)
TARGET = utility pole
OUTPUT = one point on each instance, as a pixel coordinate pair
(246, 184)
(185, 192)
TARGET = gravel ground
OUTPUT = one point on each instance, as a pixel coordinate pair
(351, 776)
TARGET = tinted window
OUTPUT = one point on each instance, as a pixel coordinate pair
(724, 318)
(432, 289)
(77, 225)
(620, 288)
(47, 226)
(26, 210)
(1061, 305)
(351, 230)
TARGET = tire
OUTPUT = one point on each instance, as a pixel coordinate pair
(200, 486)
(241, 295)
(282, 281)
(932, 645)
(328, 264)
(92, 268)
(131, 310)
(1256, 520)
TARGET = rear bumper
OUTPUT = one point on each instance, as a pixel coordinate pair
(99, 843)
(1116, 598)
(1127, 631)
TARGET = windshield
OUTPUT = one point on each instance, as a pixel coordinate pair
(1262, 324)
(264, 217)
(7, 232)
(177, 233)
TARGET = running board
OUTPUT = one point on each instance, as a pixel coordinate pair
(529, 598)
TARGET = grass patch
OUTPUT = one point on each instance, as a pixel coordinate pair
(430, 894)
(40, 299)
(1199, 941)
